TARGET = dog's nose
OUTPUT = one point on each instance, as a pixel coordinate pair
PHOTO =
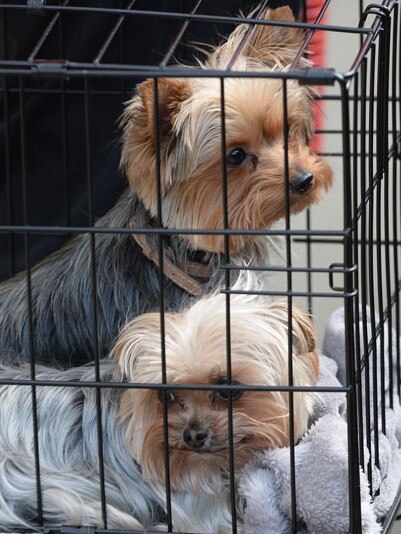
(195, 436)
(302, 182)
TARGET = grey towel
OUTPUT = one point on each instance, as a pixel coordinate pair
(321, 460)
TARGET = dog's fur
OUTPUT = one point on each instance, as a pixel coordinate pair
(133, 436)
(189, 112)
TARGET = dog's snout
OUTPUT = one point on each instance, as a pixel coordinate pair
(195, 436)
(302, 182)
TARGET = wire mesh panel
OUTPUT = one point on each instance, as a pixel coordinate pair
(158, 366)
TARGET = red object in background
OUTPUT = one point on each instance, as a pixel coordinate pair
(317, 49)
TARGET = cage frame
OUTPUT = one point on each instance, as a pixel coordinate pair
(376, 36)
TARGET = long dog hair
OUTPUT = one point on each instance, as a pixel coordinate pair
(133, 424)
(63, 328)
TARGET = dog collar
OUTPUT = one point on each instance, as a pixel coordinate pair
(181, 273)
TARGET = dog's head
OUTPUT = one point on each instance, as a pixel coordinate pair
(190, 128)
(198, 419)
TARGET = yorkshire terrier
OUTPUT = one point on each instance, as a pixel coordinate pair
(196, 399)
(61, 328)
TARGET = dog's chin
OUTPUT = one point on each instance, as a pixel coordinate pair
(197, 472)
(200, 471)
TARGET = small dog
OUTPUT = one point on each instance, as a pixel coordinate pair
(133, 427)
(190, 127)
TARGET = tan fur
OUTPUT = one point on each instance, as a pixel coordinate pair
(195, 343)
(272, 46)
(190, 140)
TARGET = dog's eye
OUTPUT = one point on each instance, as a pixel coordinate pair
(224, 394)
(171, 397)
(236, 157)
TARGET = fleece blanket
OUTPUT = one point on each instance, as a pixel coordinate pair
(321, 462)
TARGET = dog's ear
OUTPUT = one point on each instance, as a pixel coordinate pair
(270, 45)
(140, 112)
(138, 349)
(304, 336)
(275, 44)
(138, 338)
(138, 155)
(171, 94)
(303, 333)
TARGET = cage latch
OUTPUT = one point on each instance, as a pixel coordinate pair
(339, 268)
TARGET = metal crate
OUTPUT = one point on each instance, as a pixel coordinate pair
(347, 248)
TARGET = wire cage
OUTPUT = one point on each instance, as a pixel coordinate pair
(63, 88)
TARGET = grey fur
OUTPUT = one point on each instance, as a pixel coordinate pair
(62, 301)
(69, 465)
(68, 453)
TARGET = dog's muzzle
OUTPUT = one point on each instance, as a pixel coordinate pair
(302, 182)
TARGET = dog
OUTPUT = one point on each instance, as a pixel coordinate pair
(133, 425)
(74, 320)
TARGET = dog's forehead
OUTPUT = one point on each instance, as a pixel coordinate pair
(258, 103)
(197, 343)
(206, 371)
(253, 106)
(198, 347)
(245, 96)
